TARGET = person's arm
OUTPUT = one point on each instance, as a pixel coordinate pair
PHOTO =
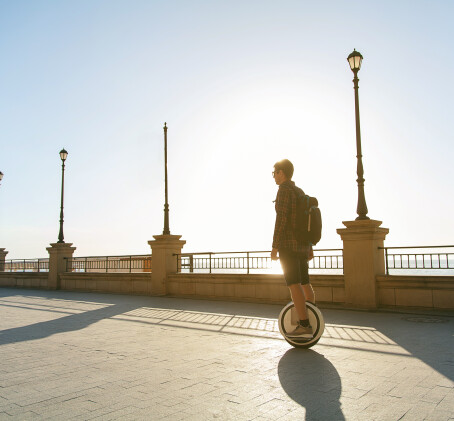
(282, 210)
(310, 254)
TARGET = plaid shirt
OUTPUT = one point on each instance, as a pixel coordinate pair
(284, 229)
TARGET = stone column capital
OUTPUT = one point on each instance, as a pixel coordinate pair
(368, 229)
(166, 241)
(60, 248)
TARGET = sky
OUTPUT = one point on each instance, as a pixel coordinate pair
(241, 85)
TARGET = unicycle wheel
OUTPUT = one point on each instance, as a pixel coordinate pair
(288, 320)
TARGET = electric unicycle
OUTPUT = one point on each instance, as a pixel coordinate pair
(288, 321)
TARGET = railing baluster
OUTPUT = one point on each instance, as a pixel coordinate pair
(386, 261)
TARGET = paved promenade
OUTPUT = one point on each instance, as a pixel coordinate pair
(103, 357)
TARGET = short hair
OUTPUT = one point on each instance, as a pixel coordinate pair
(286, 166)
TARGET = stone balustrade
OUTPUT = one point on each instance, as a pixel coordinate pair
(363, 284)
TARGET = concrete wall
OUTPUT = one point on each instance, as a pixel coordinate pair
(254, 288)
(429, 292)
(24, 279)
(124, 283)
(436, 292)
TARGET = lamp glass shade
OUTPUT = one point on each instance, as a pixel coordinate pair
(355, 59)
(63, 154)
(1, 176)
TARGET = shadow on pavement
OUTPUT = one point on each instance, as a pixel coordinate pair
(63, 324)
(312, 381)
(429, 338)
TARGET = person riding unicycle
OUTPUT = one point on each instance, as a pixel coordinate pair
(293, 254)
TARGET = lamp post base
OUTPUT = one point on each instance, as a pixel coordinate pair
(59, 253)
(363, 261)
(164, 249)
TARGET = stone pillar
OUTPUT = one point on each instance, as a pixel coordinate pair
(58, 255)
(3, 254)
(163, 260)
(363, 261)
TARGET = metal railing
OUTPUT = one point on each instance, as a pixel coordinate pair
(413, 258)
(25, 265)
(120, 264)
(330, 261)
(442, 259)
(247, 261)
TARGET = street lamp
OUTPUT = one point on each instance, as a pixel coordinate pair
(166, 230)
(355, 59)
(63, 156)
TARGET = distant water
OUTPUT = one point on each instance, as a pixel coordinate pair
(422, 272)
(412, 265)
(278, 271)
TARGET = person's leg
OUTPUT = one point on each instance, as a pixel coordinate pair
(299, 300)
(304, 273)
(309, 293)
(291, 266)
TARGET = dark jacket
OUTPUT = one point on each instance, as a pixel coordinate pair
(284, 229)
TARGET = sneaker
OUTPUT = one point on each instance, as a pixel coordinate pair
(301, 331)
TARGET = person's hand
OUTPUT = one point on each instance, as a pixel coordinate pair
(274, 254)
(310, 255)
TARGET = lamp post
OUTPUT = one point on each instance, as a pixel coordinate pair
(166, 230)
(355, 59)
(63, 156)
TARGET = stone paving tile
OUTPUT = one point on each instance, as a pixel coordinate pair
(436, 394)
(447, 403)
(96, 356)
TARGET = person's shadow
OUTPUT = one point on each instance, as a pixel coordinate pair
(312, 381)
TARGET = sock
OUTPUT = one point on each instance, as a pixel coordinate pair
(304, 323)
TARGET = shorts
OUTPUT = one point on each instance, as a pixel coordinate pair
(295, 267)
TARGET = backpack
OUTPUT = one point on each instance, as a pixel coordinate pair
(308, 219)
